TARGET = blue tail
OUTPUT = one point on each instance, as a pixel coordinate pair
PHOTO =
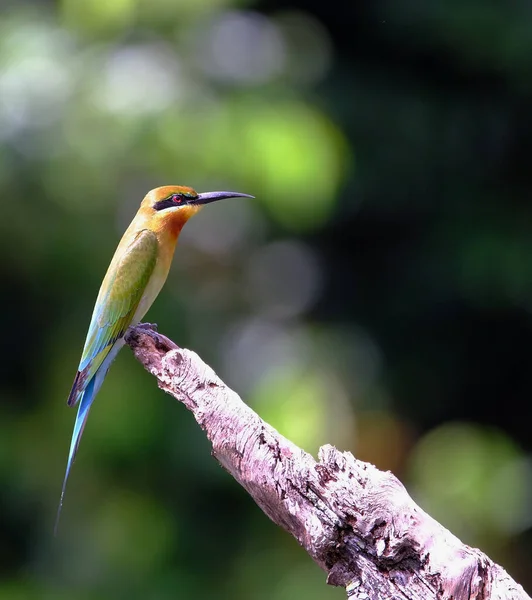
(83, 412)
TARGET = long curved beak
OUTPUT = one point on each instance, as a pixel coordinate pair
(207, 197)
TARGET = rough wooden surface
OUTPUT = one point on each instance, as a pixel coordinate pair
(358, 523)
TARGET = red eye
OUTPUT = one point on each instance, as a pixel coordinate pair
(177, 199)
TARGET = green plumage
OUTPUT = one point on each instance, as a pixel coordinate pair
(133, 280)
(117, 303)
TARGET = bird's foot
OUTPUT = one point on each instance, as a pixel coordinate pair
(160, 341)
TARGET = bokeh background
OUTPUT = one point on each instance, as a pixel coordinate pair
(376, 295)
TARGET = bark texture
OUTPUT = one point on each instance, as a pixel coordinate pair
(358, 523)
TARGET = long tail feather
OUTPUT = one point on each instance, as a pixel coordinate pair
(81, 419)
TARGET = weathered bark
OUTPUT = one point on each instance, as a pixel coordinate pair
(358, 523)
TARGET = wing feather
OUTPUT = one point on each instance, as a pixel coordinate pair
(119, 297)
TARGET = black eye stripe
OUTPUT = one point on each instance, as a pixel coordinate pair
(162, 204)
(173, 200)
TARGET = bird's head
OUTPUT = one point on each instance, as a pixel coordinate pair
(173, 205)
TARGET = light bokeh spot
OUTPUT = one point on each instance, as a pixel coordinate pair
(283, 279)
(457, 470)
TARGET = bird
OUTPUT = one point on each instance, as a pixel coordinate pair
(136, 275)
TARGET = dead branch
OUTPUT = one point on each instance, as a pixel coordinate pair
(358, 523)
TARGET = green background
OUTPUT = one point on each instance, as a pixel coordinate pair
(376, 295)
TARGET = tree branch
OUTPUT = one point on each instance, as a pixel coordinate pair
(358, 523)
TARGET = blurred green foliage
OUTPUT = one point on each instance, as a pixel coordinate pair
(376, 295)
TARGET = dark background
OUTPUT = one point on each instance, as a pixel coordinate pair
(376, 295)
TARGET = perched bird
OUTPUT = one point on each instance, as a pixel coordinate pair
(133, 280)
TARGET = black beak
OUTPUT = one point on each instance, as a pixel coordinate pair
(207, 197)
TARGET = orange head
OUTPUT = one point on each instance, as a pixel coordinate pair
(169, 207)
